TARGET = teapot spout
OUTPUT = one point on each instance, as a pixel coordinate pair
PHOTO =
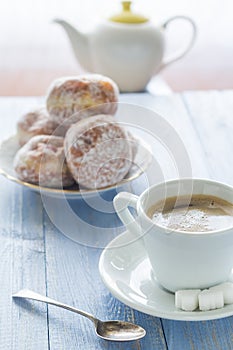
(79, 43)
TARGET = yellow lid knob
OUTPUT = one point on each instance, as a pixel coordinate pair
(126, 16)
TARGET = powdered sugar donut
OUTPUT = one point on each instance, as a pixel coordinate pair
(98, 152)
(42, 161)
(91, 93)
(36, 122)
(134, 142)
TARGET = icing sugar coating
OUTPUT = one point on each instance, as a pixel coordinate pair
(42, 161)
(71, 99)
(34, 123)
(98, 152)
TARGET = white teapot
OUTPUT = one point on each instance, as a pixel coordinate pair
(127, 47)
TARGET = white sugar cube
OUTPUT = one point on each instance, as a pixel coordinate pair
(227, 290)
(187, 299)
(210, 299)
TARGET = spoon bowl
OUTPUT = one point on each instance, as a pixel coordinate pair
(108, 330)
(119, 331)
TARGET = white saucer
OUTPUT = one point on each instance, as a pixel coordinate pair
(126, 272)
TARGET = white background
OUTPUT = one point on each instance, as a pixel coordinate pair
(28, 38)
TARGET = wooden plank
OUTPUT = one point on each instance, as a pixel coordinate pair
(72, 274)
(61, 257)
(79, 284)
(174, 113)
(22, 326)
(211, 116)
(208, 335)
(76, 266)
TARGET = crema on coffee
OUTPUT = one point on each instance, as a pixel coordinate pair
(198, 213)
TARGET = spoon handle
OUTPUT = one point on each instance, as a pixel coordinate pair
(28, 294)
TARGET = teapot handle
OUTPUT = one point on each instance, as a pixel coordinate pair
(182, 52)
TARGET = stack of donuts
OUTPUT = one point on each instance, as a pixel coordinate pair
(75, 137)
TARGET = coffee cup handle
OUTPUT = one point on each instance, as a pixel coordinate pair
(121, 203)
(178, 55)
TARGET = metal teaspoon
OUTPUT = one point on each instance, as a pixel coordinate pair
(108, 330)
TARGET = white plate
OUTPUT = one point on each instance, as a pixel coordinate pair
(126, 272)
(9, 147)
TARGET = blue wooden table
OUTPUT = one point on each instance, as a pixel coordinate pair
(36, 255)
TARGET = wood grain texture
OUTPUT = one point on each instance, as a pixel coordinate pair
(22, 266)
(210, 114)
(209, 335)
(174, 111)
(22, 251)
(79, 284)
(35, 254)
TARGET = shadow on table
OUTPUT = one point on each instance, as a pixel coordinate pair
(91, 220)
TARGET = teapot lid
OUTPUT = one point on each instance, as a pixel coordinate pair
(127, 16)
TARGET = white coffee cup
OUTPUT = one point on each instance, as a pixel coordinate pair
(179, 259)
